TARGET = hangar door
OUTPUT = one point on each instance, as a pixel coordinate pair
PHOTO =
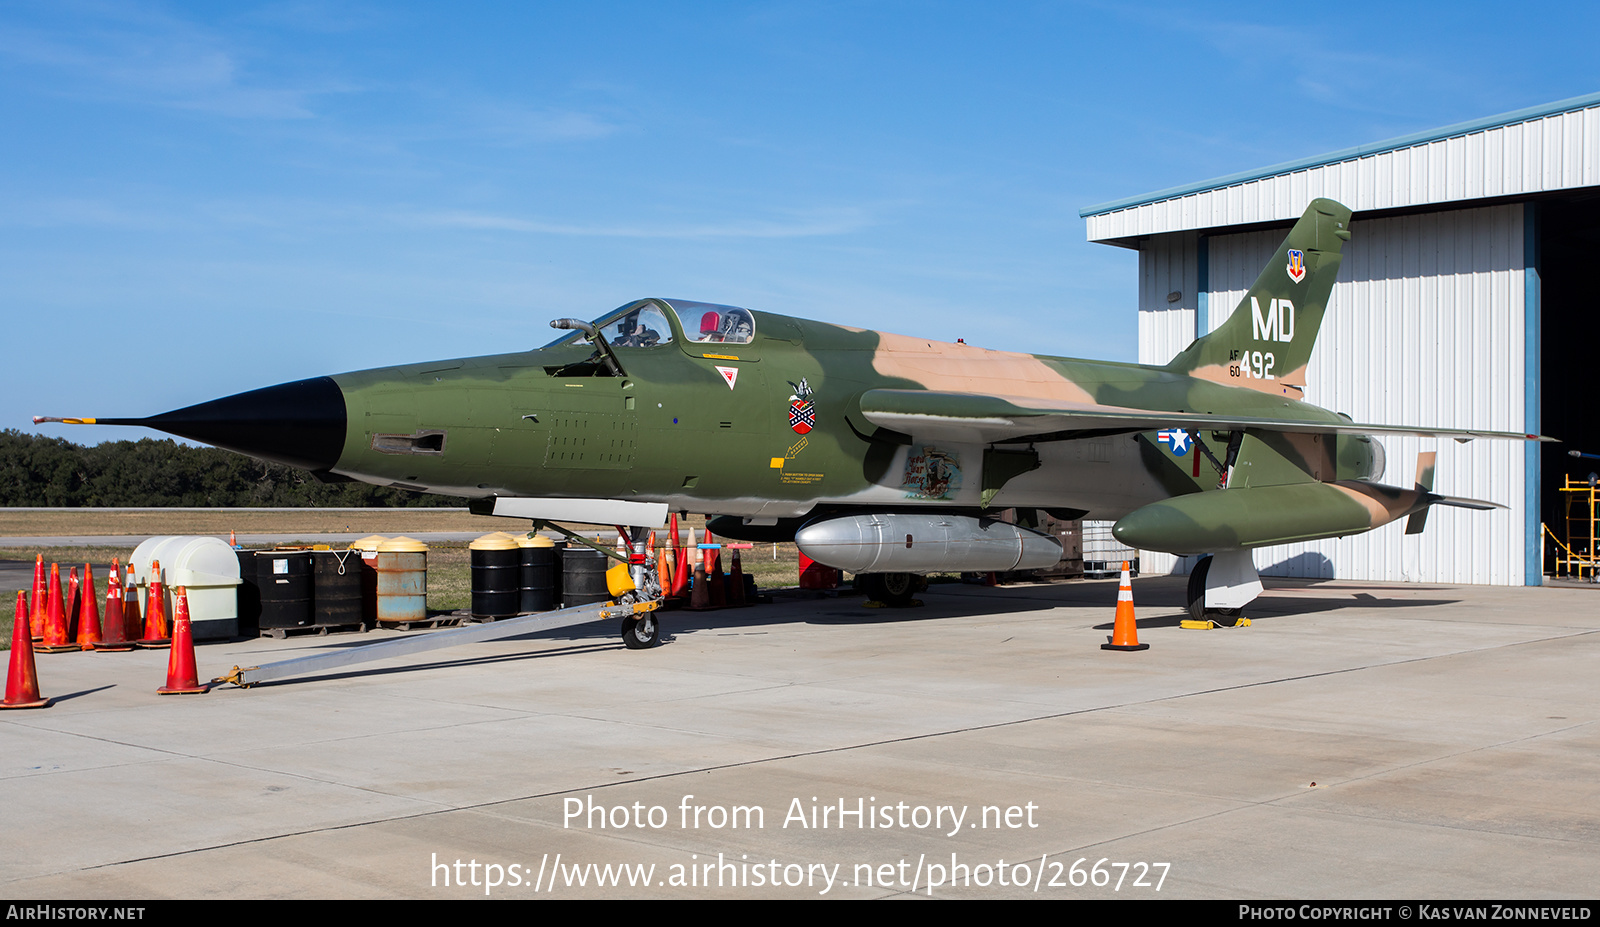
(1569, 318)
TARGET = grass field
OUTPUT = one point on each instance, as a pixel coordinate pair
(449, 564)
(388, 522)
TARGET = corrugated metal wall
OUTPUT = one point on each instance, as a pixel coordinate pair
(1556, 152)
(1425, 327)
(1170, 265)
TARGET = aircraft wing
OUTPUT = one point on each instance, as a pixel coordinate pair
(978, 418)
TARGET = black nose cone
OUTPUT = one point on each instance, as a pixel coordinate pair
(301, 424)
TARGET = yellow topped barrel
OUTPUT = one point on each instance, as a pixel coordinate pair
(402, 566)
(368, 548)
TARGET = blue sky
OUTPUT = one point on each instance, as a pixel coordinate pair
(199, 198)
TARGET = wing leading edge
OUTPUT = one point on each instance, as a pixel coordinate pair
(985, 419)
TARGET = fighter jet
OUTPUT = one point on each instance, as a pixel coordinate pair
(883, 455)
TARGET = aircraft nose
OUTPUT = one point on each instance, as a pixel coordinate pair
(301, 424)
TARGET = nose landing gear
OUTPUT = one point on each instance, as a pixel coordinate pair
(641, 632)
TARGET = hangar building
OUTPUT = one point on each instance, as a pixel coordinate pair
(1460, 304)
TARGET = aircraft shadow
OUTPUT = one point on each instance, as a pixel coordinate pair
(1158, 599)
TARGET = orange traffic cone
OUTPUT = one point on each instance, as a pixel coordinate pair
(55, 619)
(182, 677)
(132, 621)
(680, 580)
(156, 635)
(675, 560)
(114, 630)
(719, 588)
(22, 682)
(700, 592)
(233, 541)
(88, 612)
(70, 602)
(36, 612)
(713, 552)
(670, 549)
(1125, 632)
(736, 582)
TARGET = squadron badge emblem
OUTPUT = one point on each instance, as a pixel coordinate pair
(1297, 265)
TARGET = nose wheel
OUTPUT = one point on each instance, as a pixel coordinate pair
(642, 632)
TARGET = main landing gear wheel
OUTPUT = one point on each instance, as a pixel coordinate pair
(892, 589)
(1224, 617)
(642, 632)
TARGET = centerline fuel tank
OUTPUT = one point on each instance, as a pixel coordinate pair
(925, 543)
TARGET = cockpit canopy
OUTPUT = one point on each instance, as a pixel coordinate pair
(649, 322)
(710, 322)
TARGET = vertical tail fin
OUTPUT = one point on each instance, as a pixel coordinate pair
(1266, 343)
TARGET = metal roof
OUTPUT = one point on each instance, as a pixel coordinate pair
(1579, 144)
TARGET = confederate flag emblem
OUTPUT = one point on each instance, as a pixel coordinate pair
(802, 416)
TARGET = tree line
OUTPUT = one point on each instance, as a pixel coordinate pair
(39, 471)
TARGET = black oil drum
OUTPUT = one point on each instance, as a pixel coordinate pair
(583, 576)
(249, 594)
(285, 580)
(496, 576)
(336, 588)
(539, 578)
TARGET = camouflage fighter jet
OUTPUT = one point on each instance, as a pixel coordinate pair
(879, 454)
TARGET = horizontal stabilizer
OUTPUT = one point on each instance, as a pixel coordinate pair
(979, 419)
(1419, 519)
(1464, 503)
(1427, 499)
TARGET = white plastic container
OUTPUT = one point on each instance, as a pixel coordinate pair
(207, 568)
